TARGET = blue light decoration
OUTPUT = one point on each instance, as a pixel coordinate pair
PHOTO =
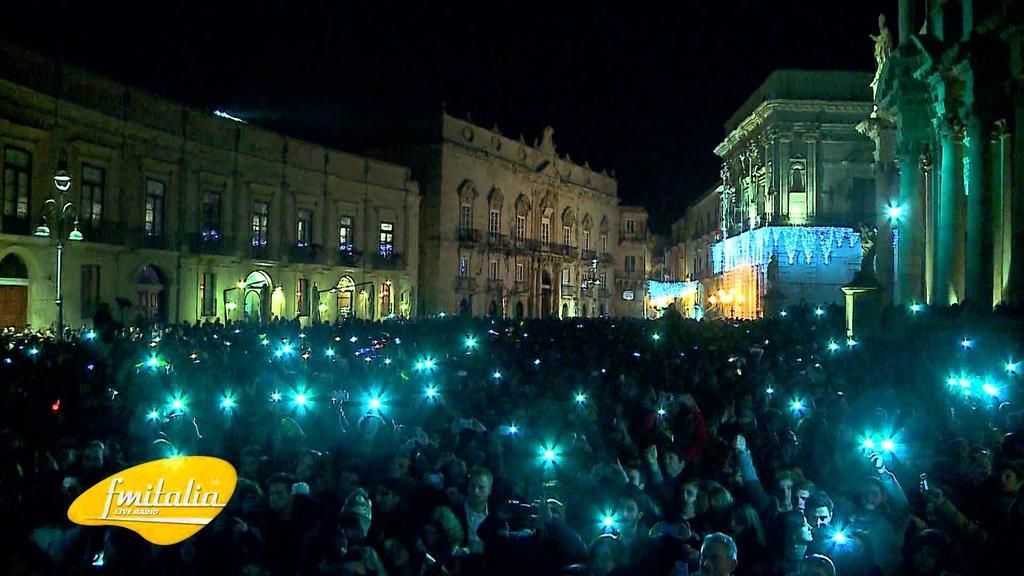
(889, 445)
(819, 311)
(916, 308)
(797, 406)
(548, 454)
(90, 335)
(275, 396)
(581, 397)
(990, 389)
(153, 415)
(833, 346)
(227, 402)
(513, 429)
(302, 400)
(1012, 367)
(471, 343)
(840, 538)
(431, 392)
(496, 375)
(661, 293)
(177, 403)
(967, 343)
(756, 247)
(607, 522)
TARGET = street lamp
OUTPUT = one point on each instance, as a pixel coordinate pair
(895, 211)
(61, 210)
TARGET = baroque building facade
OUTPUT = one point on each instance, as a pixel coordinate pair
(509, 229)
(797, 184)
(187, 216)
(949, 133)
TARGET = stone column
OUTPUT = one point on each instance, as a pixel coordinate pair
(978, 251)
(949, 187)
(907, 18)
(811, 175)
(911, 228)
(1001, 210)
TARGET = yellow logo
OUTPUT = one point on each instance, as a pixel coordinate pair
(165, 501)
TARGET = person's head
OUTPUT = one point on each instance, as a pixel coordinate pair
(386, 497)
(361, 561)
(478, 489)
(635, 477)
(871, 494)
(801, 493)
(691, 491)
(92, 456)
(606, 552)
(673, 461)
(928, 552)
(1009, 477)
(249, 463)
(279, 493)
(629, 511)
(718, 555)
(817, 565)
(819, 510)
(720, 500)
(795, 529)
(248, 496)
(745, 521)
(784, 490)
(308, 465)
(448, 526)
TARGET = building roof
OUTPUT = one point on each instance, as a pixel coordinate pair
(821, 85)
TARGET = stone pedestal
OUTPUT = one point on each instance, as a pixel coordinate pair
(863, 305)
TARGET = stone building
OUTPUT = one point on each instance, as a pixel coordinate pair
(186, 215)
(632, 263)
(689, 251)
(949, 134)
(797, 183)
(511, 229)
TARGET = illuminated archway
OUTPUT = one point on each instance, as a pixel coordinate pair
(256, 290)
(346, 290)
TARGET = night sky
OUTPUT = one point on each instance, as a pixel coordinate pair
(639, 89)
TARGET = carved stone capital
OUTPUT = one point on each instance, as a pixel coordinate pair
(999, 130)
(925, 161)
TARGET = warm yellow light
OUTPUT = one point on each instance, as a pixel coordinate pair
(713, 299)
(740, 298)
(241, 284)
(322, 307)
(231, 306)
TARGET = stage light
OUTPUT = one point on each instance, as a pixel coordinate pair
(374, 403)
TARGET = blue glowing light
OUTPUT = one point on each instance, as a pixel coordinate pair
(757, 247)
(471, 342)
(513, 429)
(832, 346)
(894, 211)
(227, 402)
(496, 375)
(797, 405)
(819, 311)
(840, 538)
(153, 415)
(916, 308)
(1012, 367)
(548, 454)
(91, 334)
(769, 391)
(664, 292)
(850, 343)
(387, 361)
(33, 351)
(868, 444)
(581, 398)
(662, 412)
(353, 339)
(783, 313)
(178, 403)
(329, 353)
(430, 392)
(967, 343)
(889, 445)
(656, 337)
(536, 362)
(301, 399)
(275, 396)
(990, 389)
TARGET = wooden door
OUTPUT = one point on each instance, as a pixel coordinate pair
(13, 306)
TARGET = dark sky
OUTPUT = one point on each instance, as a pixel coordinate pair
(641, 89)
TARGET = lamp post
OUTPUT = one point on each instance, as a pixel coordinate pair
(60, 209)
(894, 212)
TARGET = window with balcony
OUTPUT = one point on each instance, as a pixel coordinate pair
(345, 239)
(586, 239)
(304, 227)
(566, 235)
(566, 277)
(630, 226)
(302, 296)
(604, 243)
(465, 217)
(545, 230)
(210, 225)
(630, 264)
(520, 227)
(386, 242)
(520, 272)
(494, 224)
(208, 293)
(154, 208)
(492, 270)
(17, 183)
(463, 266)
(260, 221)
(92, 195)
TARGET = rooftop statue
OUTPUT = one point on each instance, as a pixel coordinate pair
(883, 47)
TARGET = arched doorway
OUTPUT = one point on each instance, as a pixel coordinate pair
(464, 308)
(346, 292)
(565, 310)
(256, 296)
(151, 294)
(492, 309)
(519, 310)
(13, 292)
(586, 310)
(545, 295)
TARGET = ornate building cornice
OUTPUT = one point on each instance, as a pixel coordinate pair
(759, 117)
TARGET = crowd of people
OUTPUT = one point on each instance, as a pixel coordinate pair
(466, 446)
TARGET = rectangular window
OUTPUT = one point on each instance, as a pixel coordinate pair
(494, 224)
(210, 227)
(566, 236)
(492, 270)
(630, 263)
(520, 227)
(387, 239)
(17, 182)
(154, 208)
(463, 266)
(545, 230)
(604, 243)
(566, 277)
(90, 289)
(92, 195)
(630, 226)
(520, 272)
(586, 239)
(260, 220)
(304, 227)
(345, 240)
(302, 296)
(208, 290)
(465, 217)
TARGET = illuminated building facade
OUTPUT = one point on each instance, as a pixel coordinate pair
(186, 215)
(632, 263)
(515, 230)
(797, 183)
(689, 257)
(949, 134)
